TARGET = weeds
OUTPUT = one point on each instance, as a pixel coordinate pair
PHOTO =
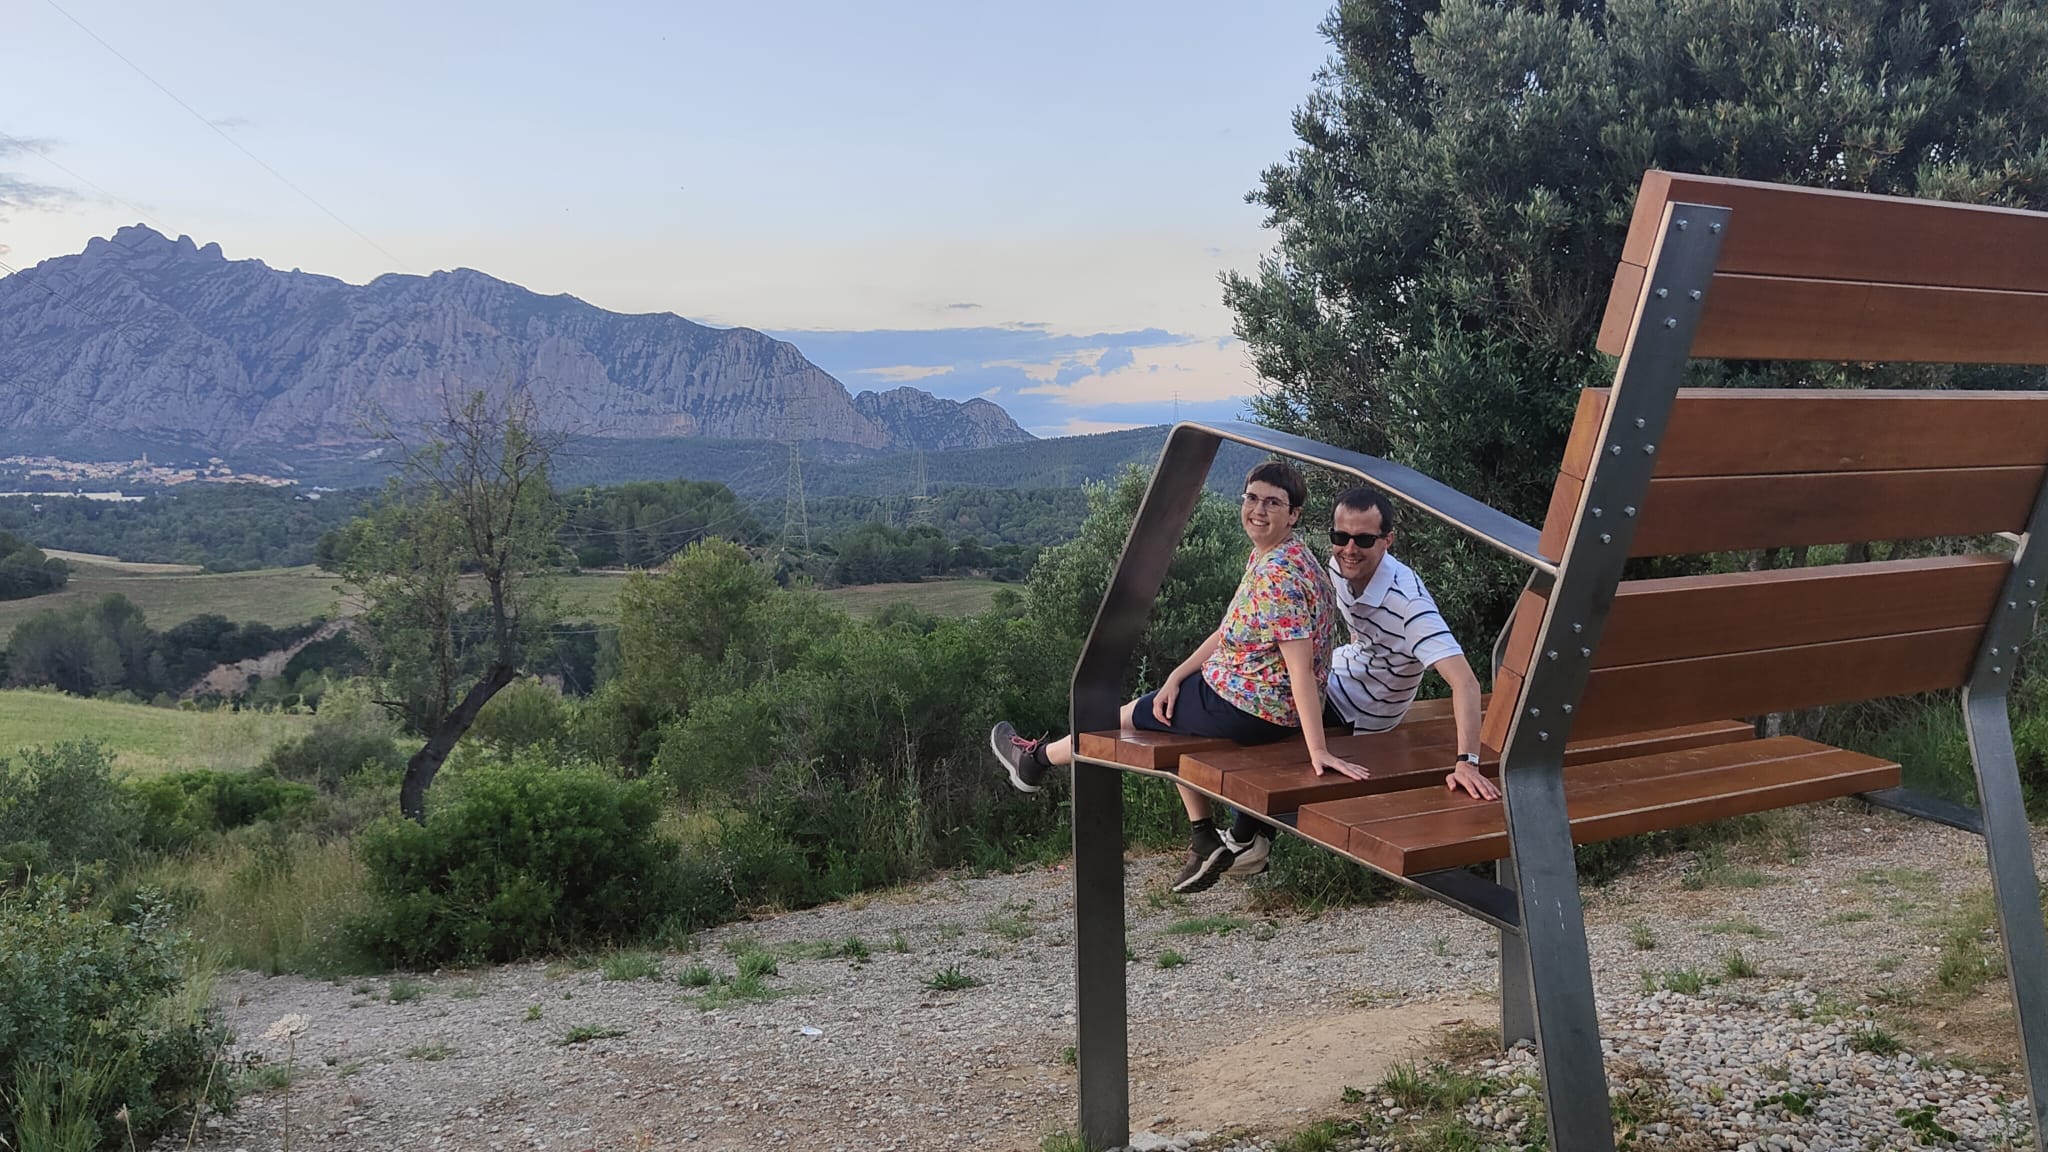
(625, 966)
(1640, 936)
(1009, 927)
(1171, 959)
(951, 979)
(695, 976)
(1873, 1038)
(430, 1052)
(755, 965)
(585, 1033)
(1736, 966)
(405, 991)
(1205, 926)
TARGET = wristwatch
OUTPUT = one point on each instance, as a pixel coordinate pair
(1471, 758)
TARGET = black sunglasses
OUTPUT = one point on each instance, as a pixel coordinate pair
(1362, 539)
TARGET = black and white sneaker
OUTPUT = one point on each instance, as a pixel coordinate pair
(1208, 859)
(1018, 757)
(1250, 857)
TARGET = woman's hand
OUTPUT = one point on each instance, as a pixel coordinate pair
(1162, 700)
(1471, 779)
(1330, 761)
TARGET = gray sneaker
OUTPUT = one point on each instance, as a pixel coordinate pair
(1015, 752)
(1208, 859)
(1251, 856)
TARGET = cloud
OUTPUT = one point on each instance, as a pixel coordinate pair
(963, 307)
(1114, 359)
(902, 372)
(17, 192)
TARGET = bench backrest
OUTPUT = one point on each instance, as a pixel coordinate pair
(1809, 274)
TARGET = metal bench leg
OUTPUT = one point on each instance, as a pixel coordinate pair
(1517, 1002)
(1560, 973)
(1102, 1049)
(2009, 844)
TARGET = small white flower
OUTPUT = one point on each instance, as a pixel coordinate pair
(288, 1026)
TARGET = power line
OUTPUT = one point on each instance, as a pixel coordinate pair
(237, 144)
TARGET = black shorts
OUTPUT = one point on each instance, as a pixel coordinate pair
(1199, 711)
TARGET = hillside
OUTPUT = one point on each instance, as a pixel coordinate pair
(144, 339)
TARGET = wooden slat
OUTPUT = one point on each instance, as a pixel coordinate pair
(1422, 832)
(1159, 751)
(1809, 274)
(1752, 431)
(1493, 726)
(1689, 616)
(1631, 697)
(1276, 789)
(1688, 515)
(1779, 230)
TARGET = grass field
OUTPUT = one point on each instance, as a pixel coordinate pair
(273, 596)
(595, 596)
(145, 740)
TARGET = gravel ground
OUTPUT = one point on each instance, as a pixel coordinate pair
(867, 1053)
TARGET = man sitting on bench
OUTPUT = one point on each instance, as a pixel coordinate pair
(1251, 681)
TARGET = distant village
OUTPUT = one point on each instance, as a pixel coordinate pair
(42, 472)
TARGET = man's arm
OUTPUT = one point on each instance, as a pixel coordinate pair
(1457, 672)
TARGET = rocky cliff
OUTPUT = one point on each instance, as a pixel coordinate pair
(148, 336)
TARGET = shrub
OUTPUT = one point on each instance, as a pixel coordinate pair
(178, 808)
(96, 1017)
(340, 743)
(523, 857)
(61, 807)
(524, 714)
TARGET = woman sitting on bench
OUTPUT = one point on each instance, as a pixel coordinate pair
(1261, 672)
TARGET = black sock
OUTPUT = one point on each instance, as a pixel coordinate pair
(1245, 827)
(1037, 755)
(1202, 830)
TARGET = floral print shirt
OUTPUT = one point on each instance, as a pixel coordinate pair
(1284, 595)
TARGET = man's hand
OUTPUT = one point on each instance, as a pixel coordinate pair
(1471, 779)
(1162, 700)
(1334, 763)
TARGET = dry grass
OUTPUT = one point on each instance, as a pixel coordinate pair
(145, 740)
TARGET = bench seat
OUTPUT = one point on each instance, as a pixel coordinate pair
(1162, 751)
(1427, 829)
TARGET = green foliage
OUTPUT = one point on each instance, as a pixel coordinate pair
(1170, 958)
(178, 809)
(1449, 225)
(24, 570)
(525, 714)
(223, 527)
(1068, 585)
(1874, 1039)
(98, 1016)
(61, 808)
(641, 523)
(348, 737)
(585, 1033)
(526, 857)
(630, 966)
(107, 646)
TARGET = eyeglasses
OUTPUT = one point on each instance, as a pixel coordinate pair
(1362, 539)
(1269, 503)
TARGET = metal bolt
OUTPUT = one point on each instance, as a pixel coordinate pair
(1671, 321)
(1994, 651)
(1567, 709)
(1629, 511)
(1596, 513)
(1663, 292)
(1681, 224)
(1693, 295)
(1584, 653)
(1578, 628)
(1649, 449)
(1996, 668)
(1640, 422)
(1543, 735)
(2012, 603)
(2031, 583)
(2033, 603)
(1614, 449)
(1550, 655)
(1606, 539)
(1535, 711)
(1713, 227)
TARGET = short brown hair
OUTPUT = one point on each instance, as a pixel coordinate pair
(1280, 474)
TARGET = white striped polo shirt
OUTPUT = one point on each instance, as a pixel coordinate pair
(1396, 634)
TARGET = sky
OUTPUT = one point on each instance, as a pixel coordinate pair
(1028, 203)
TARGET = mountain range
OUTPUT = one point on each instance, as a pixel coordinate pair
(141, 337)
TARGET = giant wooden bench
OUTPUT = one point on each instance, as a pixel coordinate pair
(1611, 696)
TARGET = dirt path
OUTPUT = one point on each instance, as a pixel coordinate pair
(945, 1025)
